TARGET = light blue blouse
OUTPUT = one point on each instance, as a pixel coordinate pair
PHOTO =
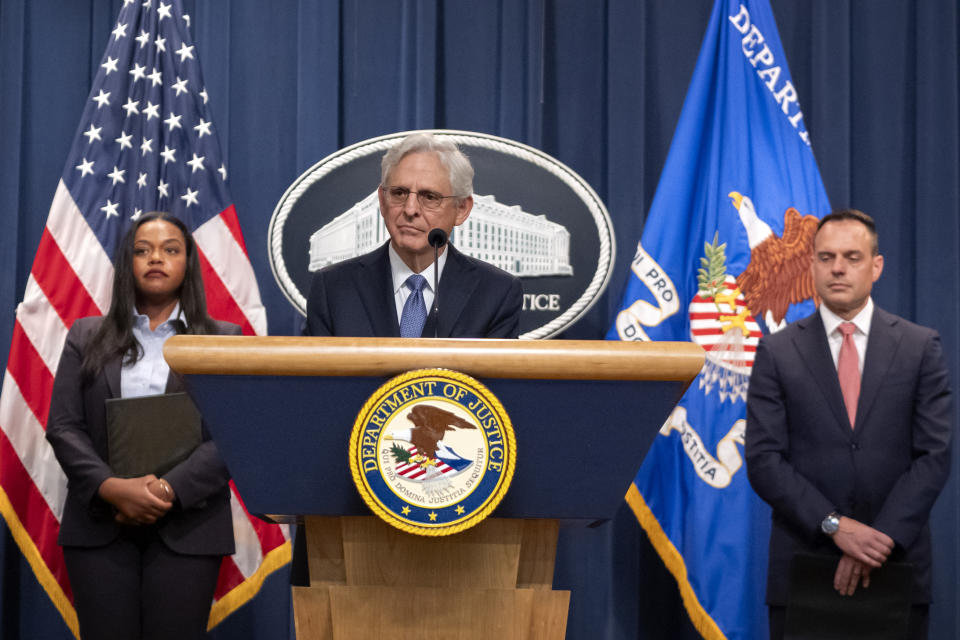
(148, 375)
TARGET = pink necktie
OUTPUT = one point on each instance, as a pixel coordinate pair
(848, 370)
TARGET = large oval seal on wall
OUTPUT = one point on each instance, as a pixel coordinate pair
(532, 216)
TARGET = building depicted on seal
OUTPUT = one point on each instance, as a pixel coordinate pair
(518, 242)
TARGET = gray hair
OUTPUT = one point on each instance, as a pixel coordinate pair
(454, 160)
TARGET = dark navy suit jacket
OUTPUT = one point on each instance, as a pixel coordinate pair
(805, 460)
(355, 298)
(199, 523)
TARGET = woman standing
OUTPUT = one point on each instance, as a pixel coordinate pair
(143, 554)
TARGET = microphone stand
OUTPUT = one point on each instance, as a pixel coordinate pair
(437, 238)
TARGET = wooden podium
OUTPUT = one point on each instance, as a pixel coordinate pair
(281, 410)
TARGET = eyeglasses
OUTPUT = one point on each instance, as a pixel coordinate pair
(429, 200)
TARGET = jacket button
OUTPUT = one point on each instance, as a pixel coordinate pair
(855, 446)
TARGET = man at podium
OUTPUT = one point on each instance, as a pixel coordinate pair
(426, 184)
(426, 190)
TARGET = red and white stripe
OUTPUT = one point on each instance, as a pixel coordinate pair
(71, 278)
(706, 328)
(413, 471)
(228, 276)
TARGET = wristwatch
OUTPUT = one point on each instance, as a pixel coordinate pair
(830, 523)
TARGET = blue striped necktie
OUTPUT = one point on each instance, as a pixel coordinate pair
(414, 314)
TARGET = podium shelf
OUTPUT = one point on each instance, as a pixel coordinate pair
(518, 359)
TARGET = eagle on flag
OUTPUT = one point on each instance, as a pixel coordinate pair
(779, 271)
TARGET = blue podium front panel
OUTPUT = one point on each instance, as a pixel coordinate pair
(579, 443)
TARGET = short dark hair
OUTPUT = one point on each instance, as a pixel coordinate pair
(115, 335)
(856, 215)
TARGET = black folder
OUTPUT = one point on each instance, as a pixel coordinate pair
(815, 611)
(151, 434)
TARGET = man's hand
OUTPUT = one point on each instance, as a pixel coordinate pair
(862, 542)
(850, 573)
(135, 502)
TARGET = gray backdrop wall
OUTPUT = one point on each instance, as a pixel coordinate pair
(599, 85)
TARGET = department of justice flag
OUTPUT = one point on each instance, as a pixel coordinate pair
(724, 257)
(146, 141)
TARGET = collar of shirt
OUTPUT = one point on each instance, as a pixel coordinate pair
(141, 323)
(831, 324)
(148, 375)
(400, 272)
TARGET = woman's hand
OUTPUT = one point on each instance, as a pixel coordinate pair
(162, 489)
(134, 500)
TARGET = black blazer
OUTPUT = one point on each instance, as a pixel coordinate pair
(804, 459)
(200, 521)
(355, 298)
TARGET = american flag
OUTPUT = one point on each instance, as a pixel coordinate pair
(145, 142)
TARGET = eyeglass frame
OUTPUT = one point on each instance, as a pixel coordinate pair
(426, 205)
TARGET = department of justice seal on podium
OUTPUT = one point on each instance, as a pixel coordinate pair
(432, 452)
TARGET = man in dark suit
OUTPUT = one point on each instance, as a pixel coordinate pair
(426, 183)
(848, 428)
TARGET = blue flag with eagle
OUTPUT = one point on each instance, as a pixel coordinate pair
(725, 257)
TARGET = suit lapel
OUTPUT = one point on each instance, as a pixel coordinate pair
(111, 370)
(174, 383)
(456, 287)
(811, 343)
(882, 347)
(374, 285)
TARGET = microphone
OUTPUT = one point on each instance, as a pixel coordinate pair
(437, 238)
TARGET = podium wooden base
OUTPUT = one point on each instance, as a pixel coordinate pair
(370, 581)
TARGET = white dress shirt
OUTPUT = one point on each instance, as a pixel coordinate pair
(400, 272)
(831, 324)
